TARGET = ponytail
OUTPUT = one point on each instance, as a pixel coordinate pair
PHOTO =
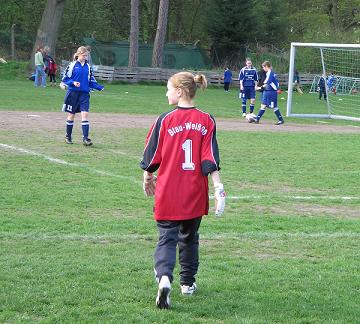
(200, 81)
(188, 82)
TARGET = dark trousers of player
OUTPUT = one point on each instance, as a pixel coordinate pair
(185, 235)
(226, 86)
(322, 92)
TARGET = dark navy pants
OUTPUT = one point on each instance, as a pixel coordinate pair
(322, 92)
(185, 235)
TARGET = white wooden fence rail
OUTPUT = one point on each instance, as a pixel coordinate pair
(135, 75)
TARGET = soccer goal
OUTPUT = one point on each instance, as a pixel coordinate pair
(339, 66)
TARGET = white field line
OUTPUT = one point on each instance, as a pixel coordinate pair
(109, 174)
(63, 162)
(102, 238)
(292, 197)
(137, 158)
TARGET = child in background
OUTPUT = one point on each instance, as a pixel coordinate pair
(182, 147)
(296, 82)
(227, 79)
(322, 87)
(52, 72)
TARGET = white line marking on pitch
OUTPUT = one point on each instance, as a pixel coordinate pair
(137, 158)
(204, 236)
(63, 162)
(293, 197)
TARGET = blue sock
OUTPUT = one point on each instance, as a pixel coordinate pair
(278, 114)
(252, 106)
(85, 128)
(260, 113)
(243, 106)
(69, 128)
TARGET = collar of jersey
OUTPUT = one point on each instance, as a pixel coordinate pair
(178, 107)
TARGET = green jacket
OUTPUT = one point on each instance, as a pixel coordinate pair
(39, 60)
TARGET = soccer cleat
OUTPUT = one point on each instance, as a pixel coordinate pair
(244, 114)
(280, 122)
(87, 142)
(188, 290)
(163, 296)
(68, 140)
(252, 119)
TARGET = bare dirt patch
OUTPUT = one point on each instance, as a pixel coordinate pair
(50, 120)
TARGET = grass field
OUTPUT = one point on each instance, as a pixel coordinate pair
(77, 234)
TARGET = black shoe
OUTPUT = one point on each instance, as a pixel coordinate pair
(87, 142)
(280, 122)
(68, 140)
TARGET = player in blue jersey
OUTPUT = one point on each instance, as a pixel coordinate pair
(248, 82)
(331, 81)
(79, 79)
(269, 98)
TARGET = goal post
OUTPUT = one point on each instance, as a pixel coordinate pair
(339, 64)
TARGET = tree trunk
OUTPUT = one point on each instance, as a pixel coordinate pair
(13, 56)
(158, 52)
(48, 30)
(333, 14)
(134, 34)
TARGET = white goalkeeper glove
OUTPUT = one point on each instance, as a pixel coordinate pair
(219, 199)
(149, 184)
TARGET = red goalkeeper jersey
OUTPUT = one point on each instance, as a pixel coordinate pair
(182, 146)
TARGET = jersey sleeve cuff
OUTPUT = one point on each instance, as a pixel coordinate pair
(208, 167)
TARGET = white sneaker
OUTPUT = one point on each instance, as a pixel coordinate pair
(244, 114)
(163, 296)
(188, 290)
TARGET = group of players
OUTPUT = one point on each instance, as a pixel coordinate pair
(266, 82)
(181, 148)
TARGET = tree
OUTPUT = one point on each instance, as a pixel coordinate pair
(134, 34)
(158, 52)
(231, 26)
(48, 30)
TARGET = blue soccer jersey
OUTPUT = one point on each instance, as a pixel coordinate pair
(271, 82)
(248, 76)
(331, 81)
(83, 74)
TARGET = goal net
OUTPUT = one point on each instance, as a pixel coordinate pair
(329, 78)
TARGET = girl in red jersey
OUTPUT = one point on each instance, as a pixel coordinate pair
(182, 147)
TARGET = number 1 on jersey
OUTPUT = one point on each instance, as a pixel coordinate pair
(187, 147)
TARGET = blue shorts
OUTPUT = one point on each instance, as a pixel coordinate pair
(76, 101)
(269, 99)
(248, 93)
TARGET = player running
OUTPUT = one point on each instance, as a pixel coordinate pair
(248, 83)
(269, 98)
(79, 79)
(182, 147)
